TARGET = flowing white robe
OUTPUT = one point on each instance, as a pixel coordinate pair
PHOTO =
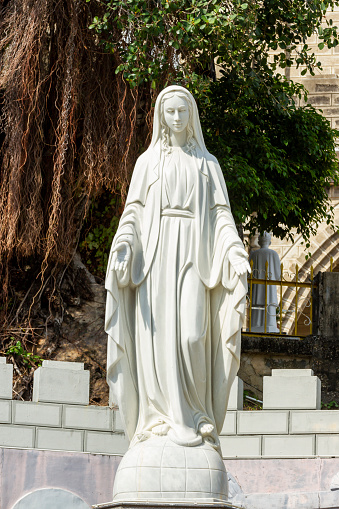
(174, 319)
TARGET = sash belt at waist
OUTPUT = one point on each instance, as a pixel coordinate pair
(177, 213)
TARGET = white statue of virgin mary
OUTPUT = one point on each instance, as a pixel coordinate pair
(176, 283)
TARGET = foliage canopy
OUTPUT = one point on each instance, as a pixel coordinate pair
(162, 40)
(277, 159)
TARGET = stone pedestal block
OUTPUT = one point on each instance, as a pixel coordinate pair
(6, 379)
(291, 390)
(61, 382)
(292, 372)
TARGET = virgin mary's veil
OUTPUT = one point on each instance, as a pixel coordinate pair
(198, 136)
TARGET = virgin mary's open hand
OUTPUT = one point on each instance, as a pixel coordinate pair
(239, 260)
(121, 256)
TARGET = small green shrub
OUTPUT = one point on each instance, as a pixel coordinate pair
(27, 358)
(331, 405)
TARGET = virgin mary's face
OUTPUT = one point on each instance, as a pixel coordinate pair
(176, 113)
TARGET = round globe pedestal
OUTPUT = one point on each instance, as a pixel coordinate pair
(158, 469)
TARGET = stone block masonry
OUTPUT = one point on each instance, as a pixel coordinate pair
(90, 417)
(315, 422)
(36, 414)
(59, 417)
(5, 411)
(289, 449)
(59, 439)
(17, 436)
(61, 382)
(291, 446)
(241, 446)
(291, 390)
(105, 443)
(252, 423)
(290, 426)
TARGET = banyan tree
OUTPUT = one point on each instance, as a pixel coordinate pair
(70, 129)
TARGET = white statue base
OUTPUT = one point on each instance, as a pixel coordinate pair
(149, 504)
(160, 470)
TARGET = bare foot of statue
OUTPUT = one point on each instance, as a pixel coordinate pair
(161, 429)
(206, 429)
(143, 436)
(183, 435)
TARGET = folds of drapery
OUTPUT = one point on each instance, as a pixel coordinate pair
(215, 234)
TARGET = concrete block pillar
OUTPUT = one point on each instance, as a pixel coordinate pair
(292, 389)
(61, 382)
(325, 305)
(6, 379)
(325, 355)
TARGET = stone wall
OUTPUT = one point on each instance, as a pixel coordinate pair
(290, 425)
(59, 448)
(59, 417)
(254, 483)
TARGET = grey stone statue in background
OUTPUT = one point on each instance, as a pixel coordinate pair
(176, 286)
(260, 257)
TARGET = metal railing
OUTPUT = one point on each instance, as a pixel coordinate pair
(289, 307)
